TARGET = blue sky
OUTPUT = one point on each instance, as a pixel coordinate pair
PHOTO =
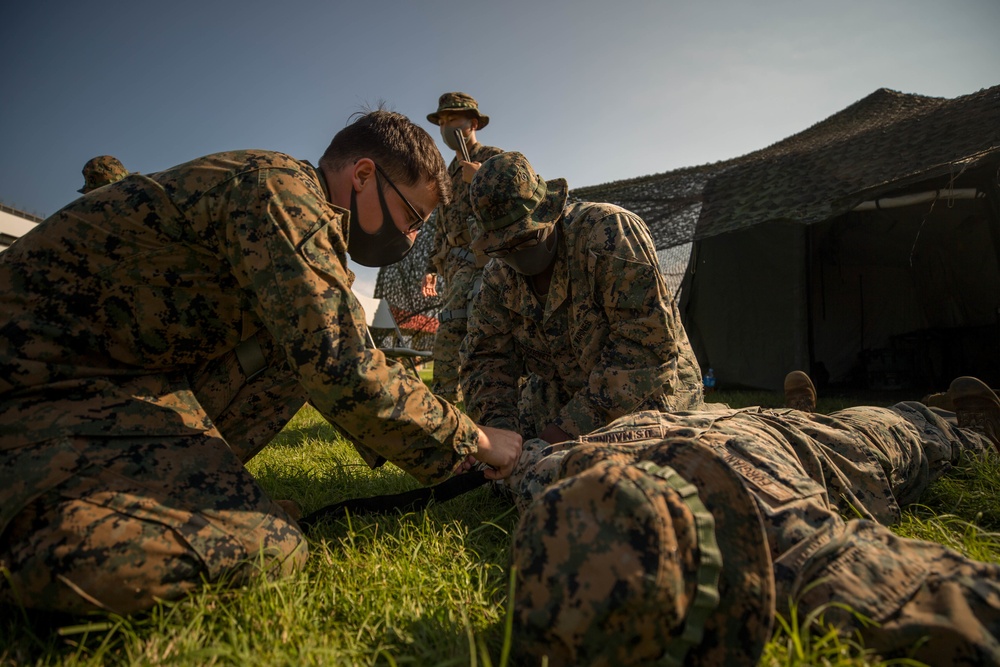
(590, 91)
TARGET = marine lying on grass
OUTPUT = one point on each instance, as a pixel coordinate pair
(678, 538)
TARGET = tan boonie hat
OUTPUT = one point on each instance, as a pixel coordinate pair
(458, 102)
(510, 200)
(644, 562)
(100, 171)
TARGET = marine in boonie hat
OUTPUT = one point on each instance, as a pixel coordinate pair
(658, 561)
(101, 171)
(510, 201)
(459, 102)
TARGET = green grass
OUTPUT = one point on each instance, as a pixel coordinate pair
(426, 588)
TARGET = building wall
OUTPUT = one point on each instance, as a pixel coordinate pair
(14, 224)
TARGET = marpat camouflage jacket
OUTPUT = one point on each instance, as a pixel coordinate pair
(107, 306)
(607, 341)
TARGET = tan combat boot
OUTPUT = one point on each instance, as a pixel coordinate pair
(800, 394)
(940, 400)
(977, 408)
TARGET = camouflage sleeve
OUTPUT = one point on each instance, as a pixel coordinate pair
(490, 366)
(287, 247)
(639, 358)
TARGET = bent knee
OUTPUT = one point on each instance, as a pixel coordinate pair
(90, 558)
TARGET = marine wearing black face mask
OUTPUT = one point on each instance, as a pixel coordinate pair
(532, 260)
(574, 324)
(386, 246)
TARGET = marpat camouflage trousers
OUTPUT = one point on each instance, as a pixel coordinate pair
(144, 518)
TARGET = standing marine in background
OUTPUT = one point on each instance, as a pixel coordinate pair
(451, 257)
(100, 171)
(574, 326)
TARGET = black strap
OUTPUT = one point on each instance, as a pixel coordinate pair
(250, 355)
(408, 501)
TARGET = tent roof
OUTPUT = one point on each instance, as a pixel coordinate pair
(882, 142)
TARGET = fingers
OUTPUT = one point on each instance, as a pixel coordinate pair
(429, 287)
(500, 449)
(469, 170)
(493, 474)
(503, 472)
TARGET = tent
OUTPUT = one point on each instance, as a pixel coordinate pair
(865, 249)
(394, 327)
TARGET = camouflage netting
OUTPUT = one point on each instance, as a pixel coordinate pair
(400, 283)
(652, 198)
(880, 143)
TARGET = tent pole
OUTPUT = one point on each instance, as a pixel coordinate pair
(810, 333)
(993, 199)
(861, 302)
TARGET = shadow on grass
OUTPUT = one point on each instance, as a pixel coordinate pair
(491, 519)
(28, 636)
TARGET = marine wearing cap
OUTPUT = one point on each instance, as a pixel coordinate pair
(511, 201)
(627, 562)
(574, 325)
(458, 102)
(453, 270)
(100, 171)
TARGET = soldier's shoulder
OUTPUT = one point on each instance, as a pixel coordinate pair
(602, 214)
(585, 217)
(238, 161)
(590, 210)
(238, 170)
(484, 152)
(255, 158)
(599, 225)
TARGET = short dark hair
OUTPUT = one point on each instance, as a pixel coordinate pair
(401, 148)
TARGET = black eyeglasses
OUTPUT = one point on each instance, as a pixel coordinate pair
(414, 226)
(524, 244)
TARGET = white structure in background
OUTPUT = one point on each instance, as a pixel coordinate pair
(384, 323)
(14, 224)
(383, 319)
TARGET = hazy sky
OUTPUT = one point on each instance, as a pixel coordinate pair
(590, 91)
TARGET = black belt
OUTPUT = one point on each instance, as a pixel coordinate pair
(408, 501)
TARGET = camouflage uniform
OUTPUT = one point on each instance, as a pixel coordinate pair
(155, 334)
(606, 341)
(461, 269)
(100, 171)
(681, 536)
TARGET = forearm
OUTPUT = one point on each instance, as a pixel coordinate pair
(302, 295)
